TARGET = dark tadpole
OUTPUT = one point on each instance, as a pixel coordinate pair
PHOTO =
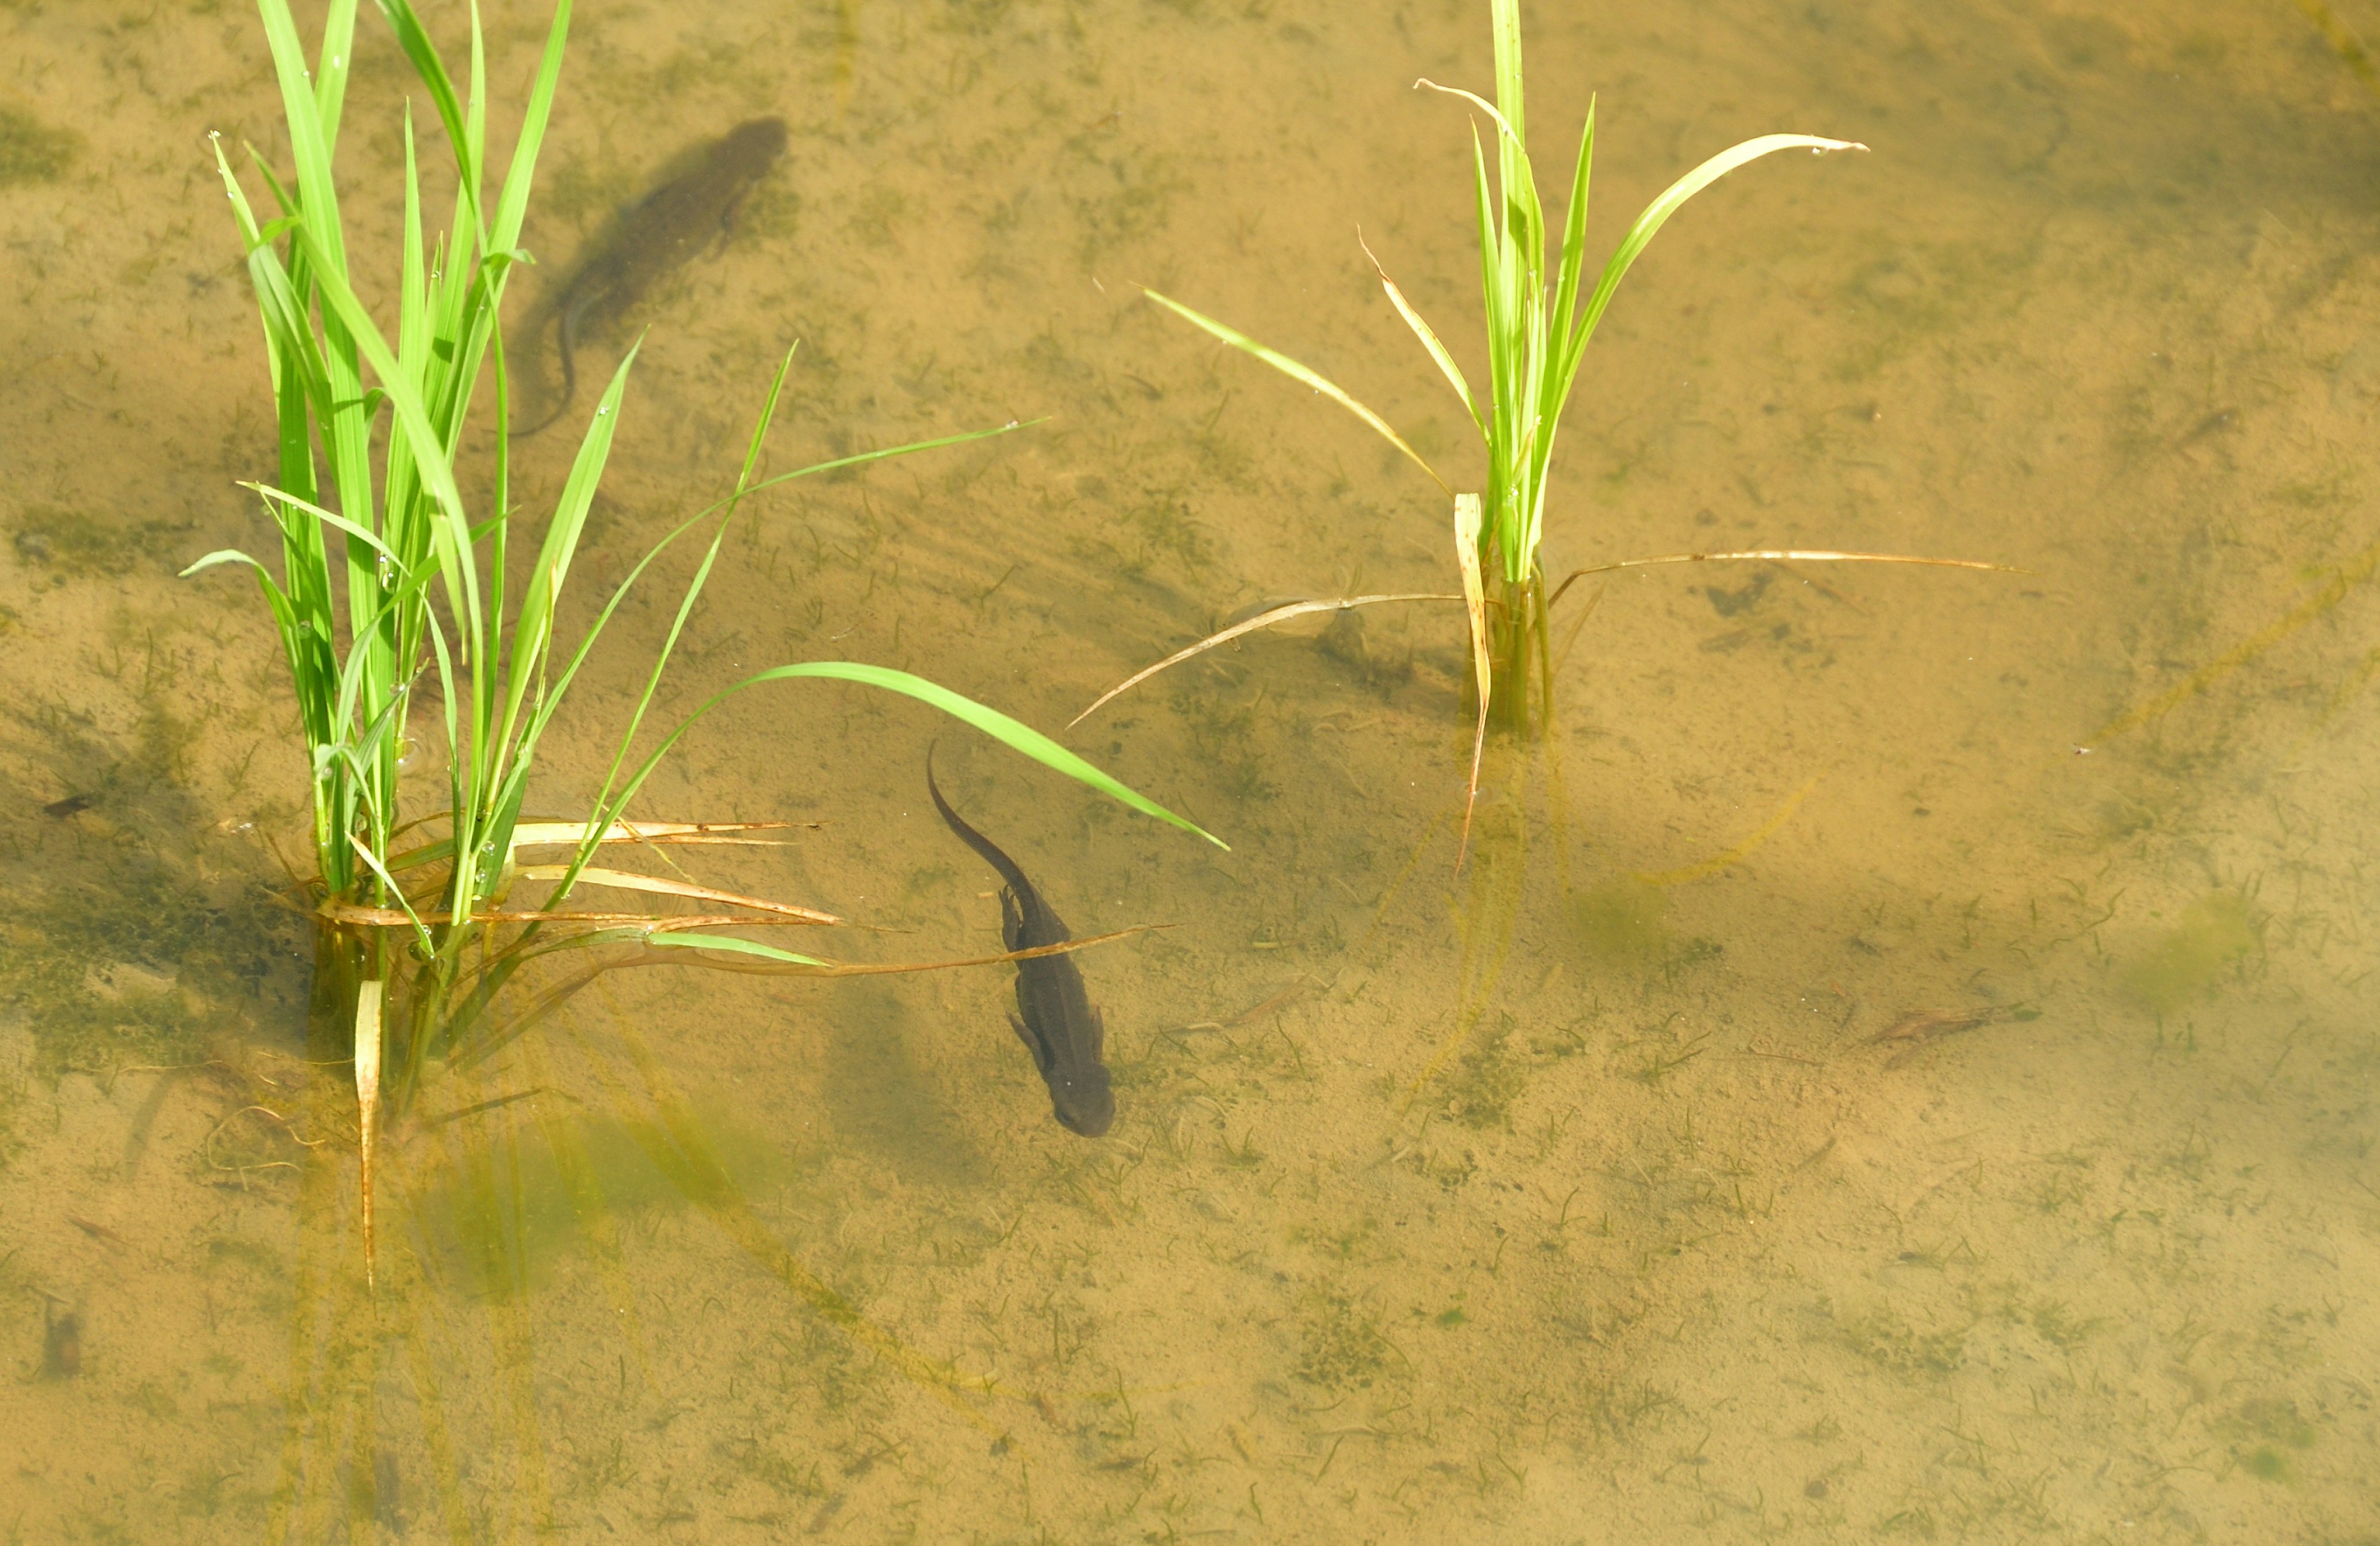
(61, 1343)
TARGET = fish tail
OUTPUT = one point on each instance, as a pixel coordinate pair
(975, 839)
(567, 332)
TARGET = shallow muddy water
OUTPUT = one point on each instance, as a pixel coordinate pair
(1898, 1062)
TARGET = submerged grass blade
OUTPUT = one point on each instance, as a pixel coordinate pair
(2342, 583)
(1783, 555)
(1250, 625)
(1736, 852)
(784, 962)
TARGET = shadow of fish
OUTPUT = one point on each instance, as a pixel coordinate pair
(685, 212)
(1054, 1018)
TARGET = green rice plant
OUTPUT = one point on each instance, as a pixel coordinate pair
(1540, 312)
(391, 577)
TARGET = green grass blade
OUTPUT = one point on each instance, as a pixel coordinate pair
(328, 517)
(999, 726)
(861, 458)
(1658, 213)
(422, 438)
(1504, 22)
(1572, 258)
(420, 930)
(309, 139)
(1295, 372)
(331, 72)
(586, 644)
(543, 591)
(512, 204)
(413, 39)
(693, 592)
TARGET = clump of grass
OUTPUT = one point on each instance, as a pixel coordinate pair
(1540, 313)
(392, 582)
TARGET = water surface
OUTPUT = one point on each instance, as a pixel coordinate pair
(1896, 1062)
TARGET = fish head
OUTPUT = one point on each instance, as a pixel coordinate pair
(756, 143)
(1083, 1102)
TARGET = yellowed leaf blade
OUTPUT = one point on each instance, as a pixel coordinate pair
(624, 880)
(368, 1048)
(1428, 336)
(1250, 625)
(1295, 372)
(1482, 104)
(546, 834)
(1467, 519)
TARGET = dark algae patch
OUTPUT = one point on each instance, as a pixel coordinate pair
(693, 204)
(130, 931)
(73, 542)
(31, 150)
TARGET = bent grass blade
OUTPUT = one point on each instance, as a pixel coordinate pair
(1010, 733)
(1296, 372)
(1239, 629)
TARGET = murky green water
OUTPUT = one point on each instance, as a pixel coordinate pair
(1899, 1063)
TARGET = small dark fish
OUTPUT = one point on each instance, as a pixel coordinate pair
(1057, 1024)
(655, 236)
(73, 804)
(61, 1345)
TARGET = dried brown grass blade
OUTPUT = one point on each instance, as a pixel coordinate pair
(1428, 336)
(389, 917)
(624, 880)
(1262, 620)
(653, 834)
(543, 834)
